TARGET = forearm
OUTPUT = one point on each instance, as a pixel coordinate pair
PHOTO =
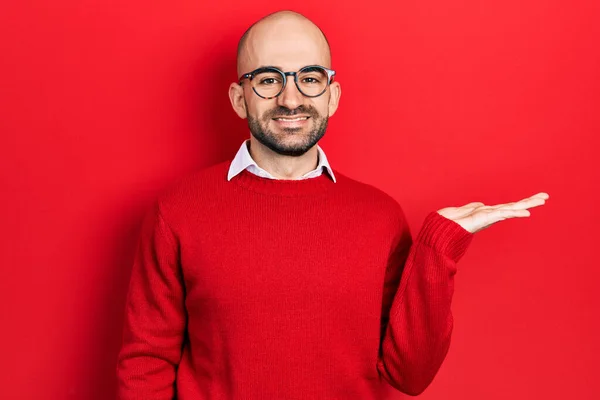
(155, 317)
(417, 336)
(150, 352)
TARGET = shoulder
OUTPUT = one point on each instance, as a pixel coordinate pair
(193, 188)
(370, 196)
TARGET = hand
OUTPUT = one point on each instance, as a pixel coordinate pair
(476, 216)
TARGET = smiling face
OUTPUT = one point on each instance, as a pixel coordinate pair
(290, 124)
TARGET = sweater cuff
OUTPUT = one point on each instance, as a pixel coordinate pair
(445, 236)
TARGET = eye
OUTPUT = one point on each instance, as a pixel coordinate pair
(310, 79)
(269, 81)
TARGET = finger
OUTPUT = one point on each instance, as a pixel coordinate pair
(517, 214)
(474, 204)
(540, 195)
(467, 209)
(502, 214)
(532, 199)
(529, 203)
(543, 195)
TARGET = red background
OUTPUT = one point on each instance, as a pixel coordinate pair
(104, 103)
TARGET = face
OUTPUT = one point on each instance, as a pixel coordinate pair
(290, 124)
(288, 130)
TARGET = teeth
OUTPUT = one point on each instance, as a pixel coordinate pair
(291, 120)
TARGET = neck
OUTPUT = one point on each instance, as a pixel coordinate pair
(282, 166)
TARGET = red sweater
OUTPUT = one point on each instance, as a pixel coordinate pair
(286, 289)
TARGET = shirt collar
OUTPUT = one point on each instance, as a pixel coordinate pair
(244, 160)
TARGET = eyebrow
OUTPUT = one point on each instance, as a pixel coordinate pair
(280, 68)
(269, 66)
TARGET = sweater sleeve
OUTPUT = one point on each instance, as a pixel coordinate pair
(416, 332)
(155, 317)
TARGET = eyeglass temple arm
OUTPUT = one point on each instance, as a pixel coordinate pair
(248, 75)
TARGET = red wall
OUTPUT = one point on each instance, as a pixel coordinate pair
(104, 103)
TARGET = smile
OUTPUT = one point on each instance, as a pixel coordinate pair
(291, 119)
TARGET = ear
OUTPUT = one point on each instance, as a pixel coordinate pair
(334, 98)
(236, 96)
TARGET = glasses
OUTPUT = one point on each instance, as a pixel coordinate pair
(269, 82)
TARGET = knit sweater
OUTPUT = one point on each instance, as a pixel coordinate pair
(286, 289)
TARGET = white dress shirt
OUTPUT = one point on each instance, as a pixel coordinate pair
(243, 160)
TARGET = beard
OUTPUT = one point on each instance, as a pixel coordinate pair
(259, 129)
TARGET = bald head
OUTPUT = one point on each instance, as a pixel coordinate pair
(269, 39)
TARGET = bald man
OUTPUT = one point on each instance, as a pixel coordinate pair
(285, 127)
(275, 276)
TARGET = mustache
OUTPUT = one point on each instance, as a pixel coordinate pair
(286, 112)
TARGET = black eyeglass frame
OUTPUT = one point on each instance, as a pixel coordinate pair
(250, 76)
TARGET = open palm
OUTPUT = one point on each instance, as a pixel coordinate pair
(477, 216)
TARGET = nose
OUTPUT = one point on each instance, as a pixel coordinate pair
(290, 97)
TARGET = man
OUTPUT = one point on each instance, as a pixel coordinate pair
(274, 276)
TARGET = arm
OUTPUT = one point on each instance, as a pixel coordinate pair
(416, 319)
(155, 317)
